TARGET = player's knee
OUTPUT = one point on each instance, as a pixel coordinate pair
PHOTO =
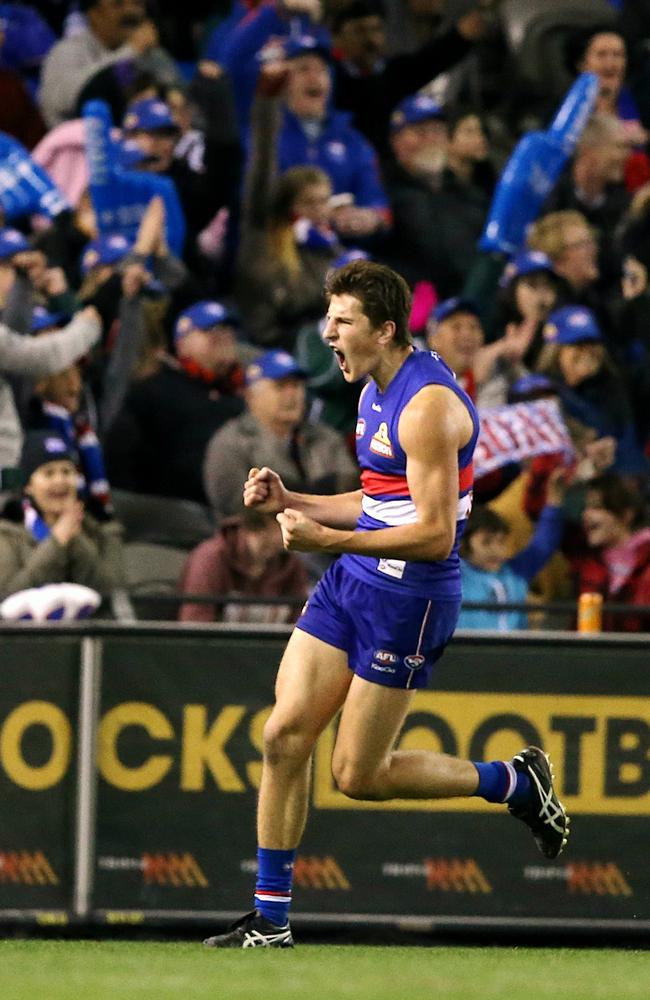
(353, 781)
(285, 741)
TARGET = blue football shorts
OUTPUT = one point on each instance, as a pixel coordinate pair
(391, 638)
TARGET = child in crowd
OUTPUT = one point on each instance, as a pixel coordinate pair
(488, 577)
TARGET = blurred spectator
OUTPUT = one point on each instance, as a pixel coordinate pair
(488, 576)
(616, 562)
(310, 457)
(57, 541)
(286, 241)
(528, 293)
(244, 559)
(603, 51)
(60, 404)
(569, 241)
(486, 372)
(150, 124)
(591, 388)
(369, 84)
(117, 30)
(437, 218)
(157, 441)
(34, 358)
(312, 132)
(19, 116)
(593, 185)
(633, 320)
(468, 154)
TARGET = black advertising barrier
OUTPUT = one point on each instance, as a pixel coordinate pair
(180, 716)
(39, 701)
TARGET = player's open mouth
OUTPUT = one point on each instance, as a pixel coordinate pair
(340, 357)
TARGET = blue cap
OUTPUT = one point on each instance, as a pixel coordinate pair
(530, 386)
(108, 249)
(41, 319)
(414, 109)
(571, 325)
(12, 241)
(275, 365)
(527, 262)
(452, 306)
(354, 253)
(203, 316)
(306, 45)
(149, 115)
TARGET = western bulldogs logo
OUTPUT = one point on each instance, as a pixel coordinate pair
(414, 661)
(381, 444)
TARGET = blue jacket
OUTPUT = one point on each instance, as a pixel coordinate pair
(511, 582)
(340, 150)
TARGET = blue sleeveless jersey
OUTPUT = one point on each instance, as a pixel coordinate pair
(387, 501)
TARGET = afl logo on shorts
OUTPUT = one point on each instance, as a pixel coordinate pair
(414, 661)
(361, 427)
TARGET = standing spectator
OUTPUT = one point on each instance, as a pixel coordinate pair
(244, 559)
(286, 242)
(58, 542)
(310, 456)
(117, 30)
(603, 51)
(157, 441)
(436, 218)
(616, 563)
(369, 84)
(312, 132)
(34, 358)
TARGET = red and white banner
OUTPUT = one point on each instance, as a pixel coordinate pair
(523, 430)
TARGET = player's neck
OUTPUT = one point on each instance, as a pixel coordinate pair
(389, 364)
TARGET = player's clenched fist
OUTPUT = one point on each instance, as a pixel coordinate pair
(300, 533)
(265, 490)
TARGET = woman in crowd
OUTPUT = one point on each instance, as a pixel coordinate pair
(57, 541)
(616, 559)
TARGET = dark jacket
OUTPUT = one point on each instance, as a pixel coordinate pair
(435, 230)
(156, 443)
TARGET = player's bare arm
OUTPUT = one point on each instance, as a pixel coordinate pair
(433, 427)
(265, 490)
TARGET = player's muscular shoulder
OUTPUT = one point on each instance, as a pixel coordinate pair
(435, 413)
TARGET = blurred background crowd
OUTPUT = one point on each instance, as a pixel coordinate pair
(175, 185)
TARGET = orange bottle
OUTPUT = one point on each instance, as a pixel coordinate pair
(590, 613)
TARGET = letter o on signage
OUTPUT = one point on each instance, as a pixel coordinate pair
(21, 772)
(495, 724)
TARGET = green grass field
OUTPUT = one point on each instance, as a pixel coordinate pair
(99, 970)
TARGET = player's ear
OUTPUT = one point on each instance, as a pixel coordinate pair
(387, 332)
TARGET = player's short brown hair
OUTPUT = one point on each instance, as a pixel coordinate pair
(383, 293)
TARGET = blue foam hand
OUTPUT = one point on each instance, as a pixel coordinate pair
(120, 197)
(534, 168)
(574, 112)
(25, 188)
(526, 182)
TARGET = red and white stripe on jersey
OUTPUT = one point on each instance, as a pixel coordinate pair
(387, 498)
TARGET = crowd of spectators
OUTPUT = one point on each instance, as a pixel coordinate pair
(161, 284)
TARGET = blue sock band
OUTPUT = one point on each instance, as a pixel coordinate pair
(499, 782)
(273, 885)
